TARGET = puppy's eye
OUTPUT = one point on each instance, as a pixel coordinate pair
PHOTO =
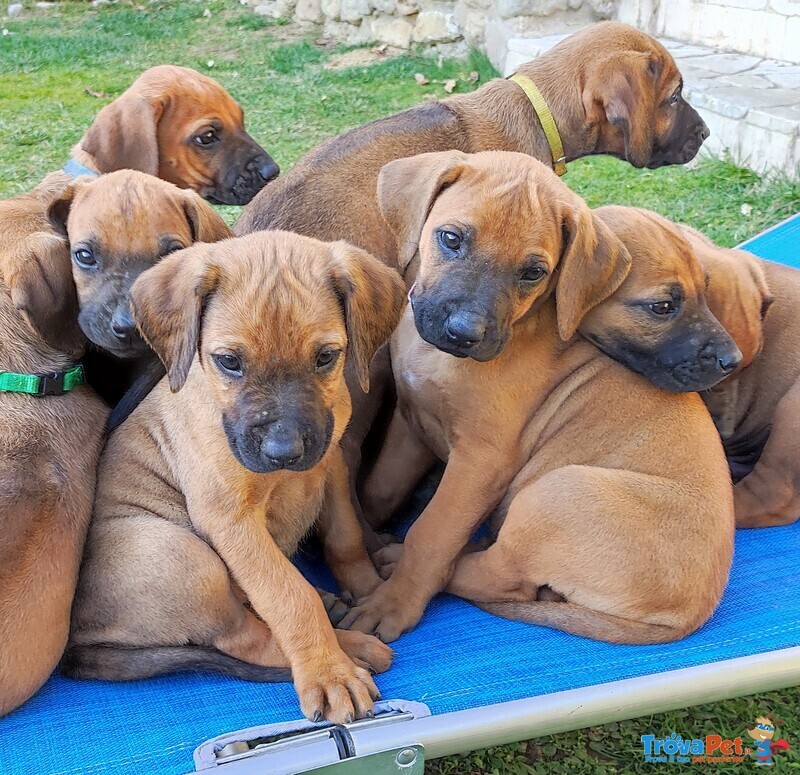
(534, 274)
(675, 97)
(450, 240)
(326, 358)
(206, 138)
(662, 307)
(172, 248)
(229, 364)
(84, 258)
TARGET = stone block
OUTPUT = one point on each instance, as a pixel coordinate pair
(783, 119)
(354, 11)
(507, 9)
(785, 7)
(392, 32)
(436, 26)
(331, 9)
(15, 9)
(309, 11)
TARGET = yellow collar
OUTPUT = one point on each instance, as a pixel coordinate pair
(545, 119)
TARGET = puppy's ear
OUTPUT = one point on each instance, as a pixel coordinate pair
(59, 208)
(123, 135)
(594, 263)
(167, 303)
(42, 289)
(205, 223)
(622, 92)
(407, 189)
(373, 296)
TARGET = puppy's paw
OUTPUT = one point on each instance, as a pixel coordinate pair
(335, 607)
(384, 614)
(365, 650)
(336, 690)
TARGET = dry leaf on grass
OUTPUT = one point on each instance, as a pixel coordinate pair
(449, 85)
(420, 79)
(474, 77)
(380, 49)
(100, 95)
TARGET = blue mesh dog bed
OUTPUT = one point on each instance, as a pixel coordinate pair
(483, 680)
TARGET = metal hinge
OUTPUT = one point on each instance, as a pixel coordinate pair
(360, 748)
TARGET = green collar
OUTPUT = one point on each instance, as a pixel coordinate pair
(54, 384)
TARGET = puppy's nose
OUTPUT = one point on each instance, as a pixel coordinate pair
(266, 168)
(122, 324)
(704, 132)
(730, 360)
(283, 446)
(465, 329)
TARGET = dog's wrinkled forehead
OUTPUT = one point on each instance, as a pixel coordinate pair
(189, 95)
(660, 253)
(508, 209)
(129, 214)
(288, 323)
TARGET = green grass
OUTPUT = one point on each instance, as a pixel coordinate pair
(291, 103)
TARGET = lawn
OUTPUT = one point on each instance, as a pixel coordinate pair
(296, 93)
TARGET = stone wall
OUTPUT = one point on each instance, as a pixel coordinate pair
(403, 23)
(767, 29)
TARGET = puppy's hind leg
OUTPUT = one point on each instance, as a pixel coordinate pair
(153, 599)
(769, 495)
(579, 550)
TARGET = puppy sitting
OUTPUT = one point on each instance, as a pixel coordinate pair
(757, 409)
(610, 499)
(118, 226)
(203, 493)
(50, 437)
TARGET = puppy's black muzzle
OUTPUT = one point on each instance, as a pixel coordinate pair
(242, 183)
(684, 142)
(291, 442)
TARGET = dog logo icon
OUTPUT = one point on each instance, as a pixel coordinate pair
(763, 732)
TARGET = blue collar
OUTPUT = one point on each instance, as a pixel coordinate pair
(76, 169)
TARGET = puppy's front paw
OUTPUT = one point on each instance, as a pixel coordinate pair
(365, 650)
(384, 614)
(336, 690)
(335, 607)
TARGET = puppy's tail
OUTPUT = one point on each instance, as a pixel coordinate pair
(118, 663)
(578, 620)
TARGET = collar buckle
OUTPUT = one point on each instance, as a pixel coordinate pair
(51, 384)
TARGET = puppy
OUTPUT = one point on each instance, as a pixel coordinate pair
(205, 492)
(610, 499)
(611, 89)
(757, 409)
(117, 226)
(49, 446)
(180, 126)
(650, 324)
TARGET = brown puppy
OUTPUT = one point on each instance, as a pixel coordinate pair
(180, 126)
(653, 324)
(117, 226)
(757, 409)
(203, 494)
(613, 524)
(49, 447)
(611, 89)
